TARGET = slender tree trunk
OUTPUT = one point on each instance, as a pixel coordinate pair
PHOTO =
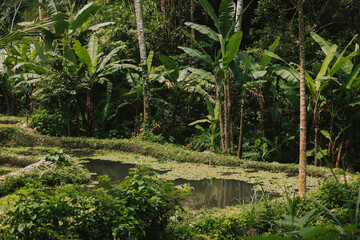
(143, 58)
(241, 134)
(239, 9)
(192, 12)
(316, 140)
(90, 115)
(302, 152)
(229, 118)
(5, 92)
(226, 118)
(218, 97)
(41, 11)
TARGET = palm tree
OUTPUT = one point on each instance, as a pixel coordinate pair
(302, 142)
(143, 59)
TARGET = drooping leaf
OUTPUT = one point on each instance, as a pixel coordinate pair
(341, 63)
(202, 73)
(287, 73)
(210, 10)
(266, 59)
(326, 46)
(31, 66)
(352, 77)
(198, 56)
(326, 134)
(84, 15)
(100, 25)
(170, 65)
(108, 57)
(204, 30)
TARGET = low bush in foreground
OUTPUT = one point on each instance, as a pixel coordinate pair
(138, 208)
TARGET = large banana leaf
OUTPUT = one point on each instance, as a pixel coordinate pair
(326, 46)
(93, 49)
(32, 66)
(202, 73)
(170, 65)
(231, 48)
(53, 7)
(40, 51)
(266, 59)
(341, 63)
(329, 57)
(108, 57)
(209, 9)
(84, 15)
(227, 14)
(198, 56)
(60, 23)
(204, 30)
(83, 55)
(352, 77)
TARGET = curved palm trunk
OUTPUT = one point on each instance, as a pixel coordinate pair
(302, 152)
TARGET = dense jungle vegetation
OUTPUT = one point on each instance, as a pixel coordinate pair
(219, 77)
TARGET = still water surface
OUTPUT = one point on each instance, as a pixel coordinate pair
(207, 192)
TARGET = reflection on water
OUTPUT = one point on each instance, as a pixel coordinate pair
(207, 193)
(217, 193)
(117, 171)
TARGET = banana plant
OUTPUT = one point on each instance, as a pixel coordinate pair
(219, 65)
(213, 119)
(331, 65)
(244, 68)
(98, 67)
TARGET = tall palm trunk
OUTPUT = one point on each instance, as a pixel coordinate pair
(302, 152)
(90, 115)
(142, 47)
(316, 139)
(241, 133)
(192, 12)
(221, 121)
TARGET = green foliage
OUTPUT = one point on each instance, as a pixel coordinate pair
(138, 208)
(47, 123)
(252, 219)
(64, 171)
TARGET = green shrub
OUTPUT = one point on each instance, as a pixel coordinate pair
(48, 124)
(64, 171)
(138, 208)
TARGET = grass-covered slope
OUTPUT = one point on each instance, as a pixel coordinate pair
(17, 136)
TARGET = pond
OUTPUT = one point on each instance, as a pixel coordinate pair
(207, 192)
